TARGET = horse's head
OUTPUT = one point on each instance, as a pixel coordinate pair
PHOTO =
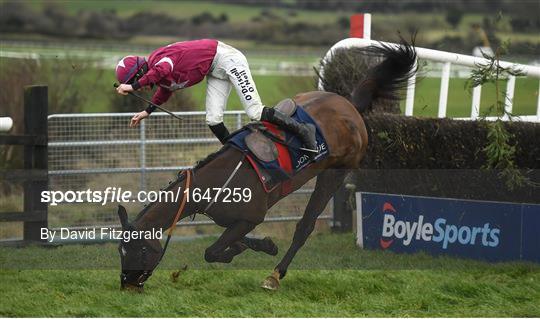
(139, 257)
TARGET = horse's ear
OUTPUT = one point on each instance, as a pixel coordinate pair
(122, 213)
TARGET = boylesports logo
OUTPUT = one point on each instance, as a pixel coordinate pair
(439, 232)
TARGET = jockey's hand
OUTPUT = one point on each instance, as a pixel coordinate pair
(137, 118)
(124, 89)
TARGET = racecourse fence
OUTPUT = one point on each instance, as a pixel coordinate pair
(34, 174)
(450, 60)
(97, 150)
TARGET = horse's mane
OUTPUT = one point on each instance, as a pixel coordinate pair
(180, 177)
(210, 157)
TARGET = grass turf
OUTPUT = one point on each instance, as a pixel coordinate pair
(426, 102)
(323, 281)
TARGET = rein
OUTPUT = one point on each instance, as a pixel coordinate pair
(178, 213)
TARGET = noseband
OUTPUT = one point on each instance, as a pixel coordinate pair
(143, 276)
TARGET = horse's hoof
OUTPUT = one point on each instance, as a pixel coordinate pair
(271, 282)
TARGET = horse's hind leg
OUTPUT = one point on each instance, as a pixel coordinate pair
(266, 245)
(327, 184)
(229, 243)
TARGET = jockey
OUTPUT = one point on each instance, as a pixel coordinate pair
(183, 64)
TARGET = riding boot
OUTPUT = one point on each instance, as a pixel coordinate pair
(306, 132)
(220, 131)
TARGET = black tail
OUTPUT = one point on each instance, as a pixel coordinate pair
(385, 80)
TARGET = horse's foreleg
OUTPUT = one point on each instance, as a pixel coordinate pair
(327, 184)
(229, 243)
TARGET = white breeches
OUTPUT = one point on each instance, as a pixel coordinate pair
(230, 69)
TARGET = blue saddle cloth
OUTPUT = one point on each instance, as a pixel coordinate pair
(282, 169)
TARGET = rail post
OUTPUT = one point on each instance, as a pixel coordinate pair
(238, 121)
(35, 157)
(142, 150)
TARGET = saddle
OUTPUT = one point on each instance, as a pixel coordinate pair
(275, 154)
(261, 142)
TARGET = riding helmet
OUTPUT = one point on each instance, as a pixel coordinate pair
(130, 68)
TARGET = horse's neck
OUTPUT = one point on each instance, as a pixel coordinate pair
(162, 214)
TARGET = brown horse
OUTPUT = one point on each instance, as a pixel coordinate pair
(346, 135)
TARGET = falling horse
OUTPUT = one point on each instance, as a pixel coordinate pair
(346, 135)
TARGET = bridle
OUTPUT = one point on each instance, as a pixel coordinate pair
(145, 274)
(139, 283)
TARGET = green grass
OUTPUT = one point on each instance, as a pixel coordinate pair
(323, 281)
(426, 102)
(272, 89)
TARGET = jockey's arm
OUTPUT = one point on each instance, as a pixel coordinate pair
(153, 76)
(161, 96)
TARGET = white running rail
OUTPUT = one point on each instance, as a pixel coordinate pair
(6, 123)
(450, 59)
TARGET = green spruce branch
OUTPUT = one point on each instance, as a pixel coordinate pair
(499, 150)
